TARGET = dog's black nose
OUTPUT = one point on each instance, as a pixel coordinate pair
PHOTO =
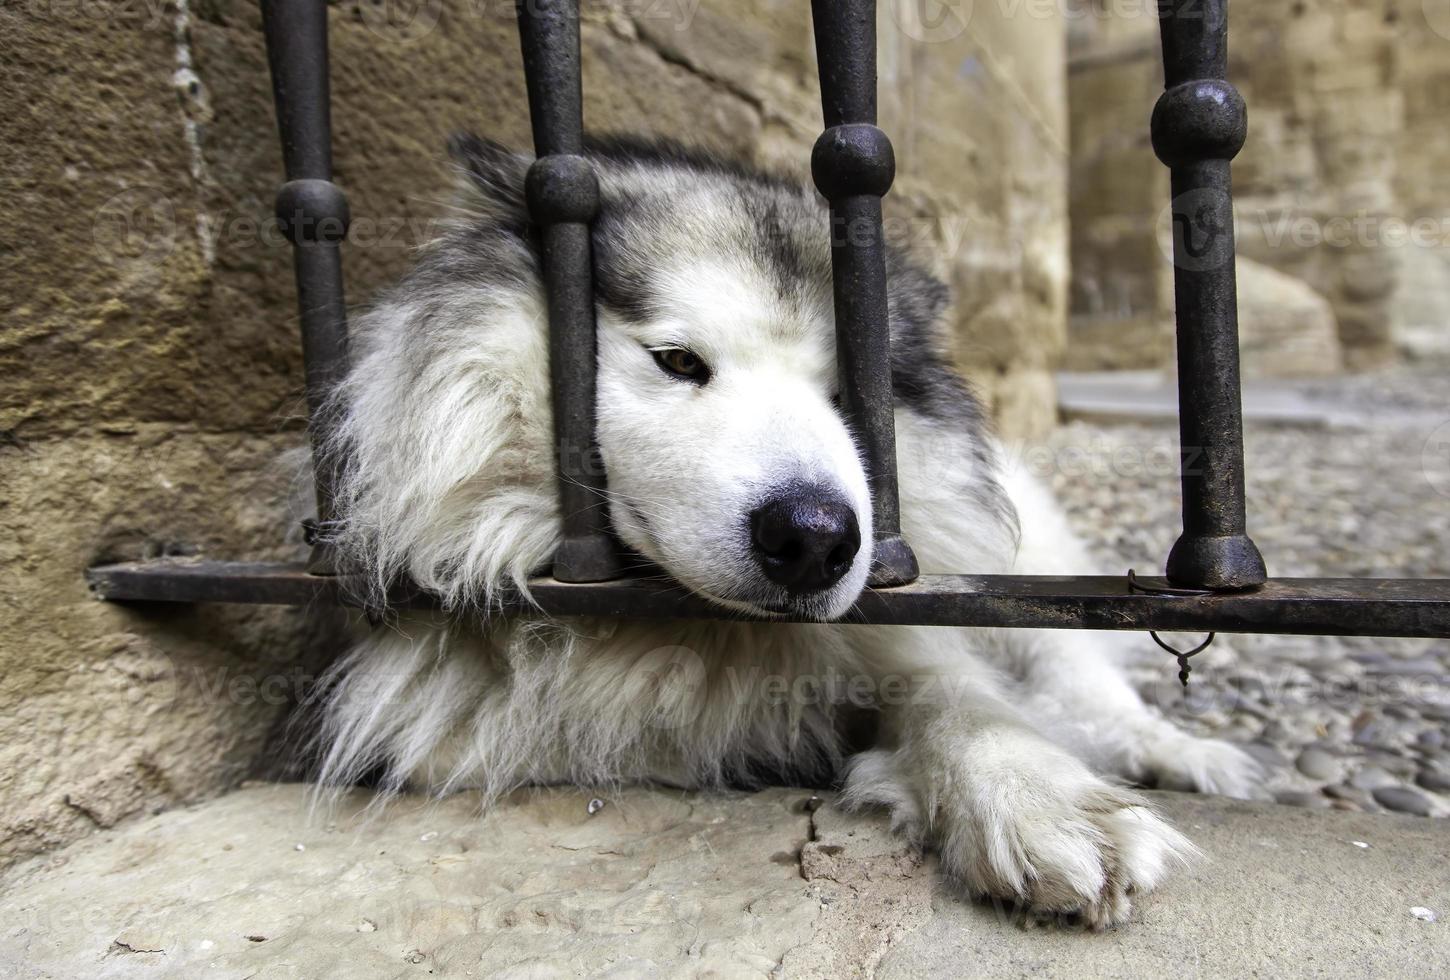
(805, 539)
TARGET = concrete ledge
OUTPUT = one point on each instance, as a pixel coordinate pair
(662, 883)
(1147, 397)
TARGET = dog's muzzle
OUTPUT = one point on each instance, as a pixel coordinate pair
(805, 538)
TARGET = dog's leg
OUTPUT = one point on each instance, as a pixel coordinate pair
(1013, 814)
(1070, 681)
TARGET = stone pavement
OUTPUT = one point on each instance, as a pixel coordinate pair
(1345, 476)
(670, 884)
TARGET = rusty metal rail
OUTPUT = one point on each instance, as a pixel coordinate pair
(1329, 606)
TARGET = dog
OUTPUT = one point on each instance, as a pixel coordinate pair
(730, 470)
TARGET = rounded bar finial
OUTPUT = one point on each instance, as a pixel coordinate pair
(1204, 119)
(562, 187)
(854, 158)
(312, 210)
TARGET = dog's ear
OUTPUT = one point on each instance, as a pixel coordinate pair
(492, 171)
(916, 298)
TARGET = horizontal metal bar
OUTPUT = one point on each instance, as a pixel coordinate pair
(1333, 606)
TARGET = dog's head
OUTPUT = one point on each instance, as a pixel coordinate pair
(729, 463)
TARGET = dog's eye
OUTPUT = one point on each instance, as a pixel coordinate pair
(680, 363)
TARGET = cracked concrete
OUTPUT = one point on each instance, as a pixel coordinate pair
(664, 883)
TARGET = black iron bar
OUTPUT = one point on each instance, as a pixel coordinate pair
(1199, 126)
(853, 166)
(1350, 607)
(313, 213)
(563, 196)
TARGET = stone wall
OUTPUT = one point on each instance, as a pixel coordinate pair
(1340, 185)
(149, 343)
(1422, 182)
(1121, 292)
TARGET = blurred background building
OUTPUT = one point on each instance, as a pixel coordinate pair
(1342, 193)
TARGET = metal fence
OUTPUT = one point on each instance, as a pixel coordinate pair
(1216, 578)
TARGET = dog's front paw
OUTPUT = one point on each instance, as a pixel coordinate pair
(1173, 759)
(1058, 839)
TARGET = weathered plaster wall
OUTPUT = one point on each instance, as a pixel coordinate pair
(148, 344)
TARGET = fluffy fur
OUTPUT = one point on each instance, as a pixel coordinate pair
(1001, 749)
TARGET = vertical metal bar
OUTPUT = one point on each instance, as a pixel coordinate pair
(563, 196)
(313, 214)
(1199, 126)
(853, 166)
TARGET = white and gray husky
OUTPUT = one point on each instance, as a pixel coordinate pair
(731, 469)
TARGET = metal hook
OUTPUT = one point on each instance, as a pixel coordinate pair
(1183, 668)
(1135, 586)
(1180, 655)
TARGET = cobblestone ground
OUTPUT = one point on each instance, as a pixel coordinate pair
(1345, 722)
